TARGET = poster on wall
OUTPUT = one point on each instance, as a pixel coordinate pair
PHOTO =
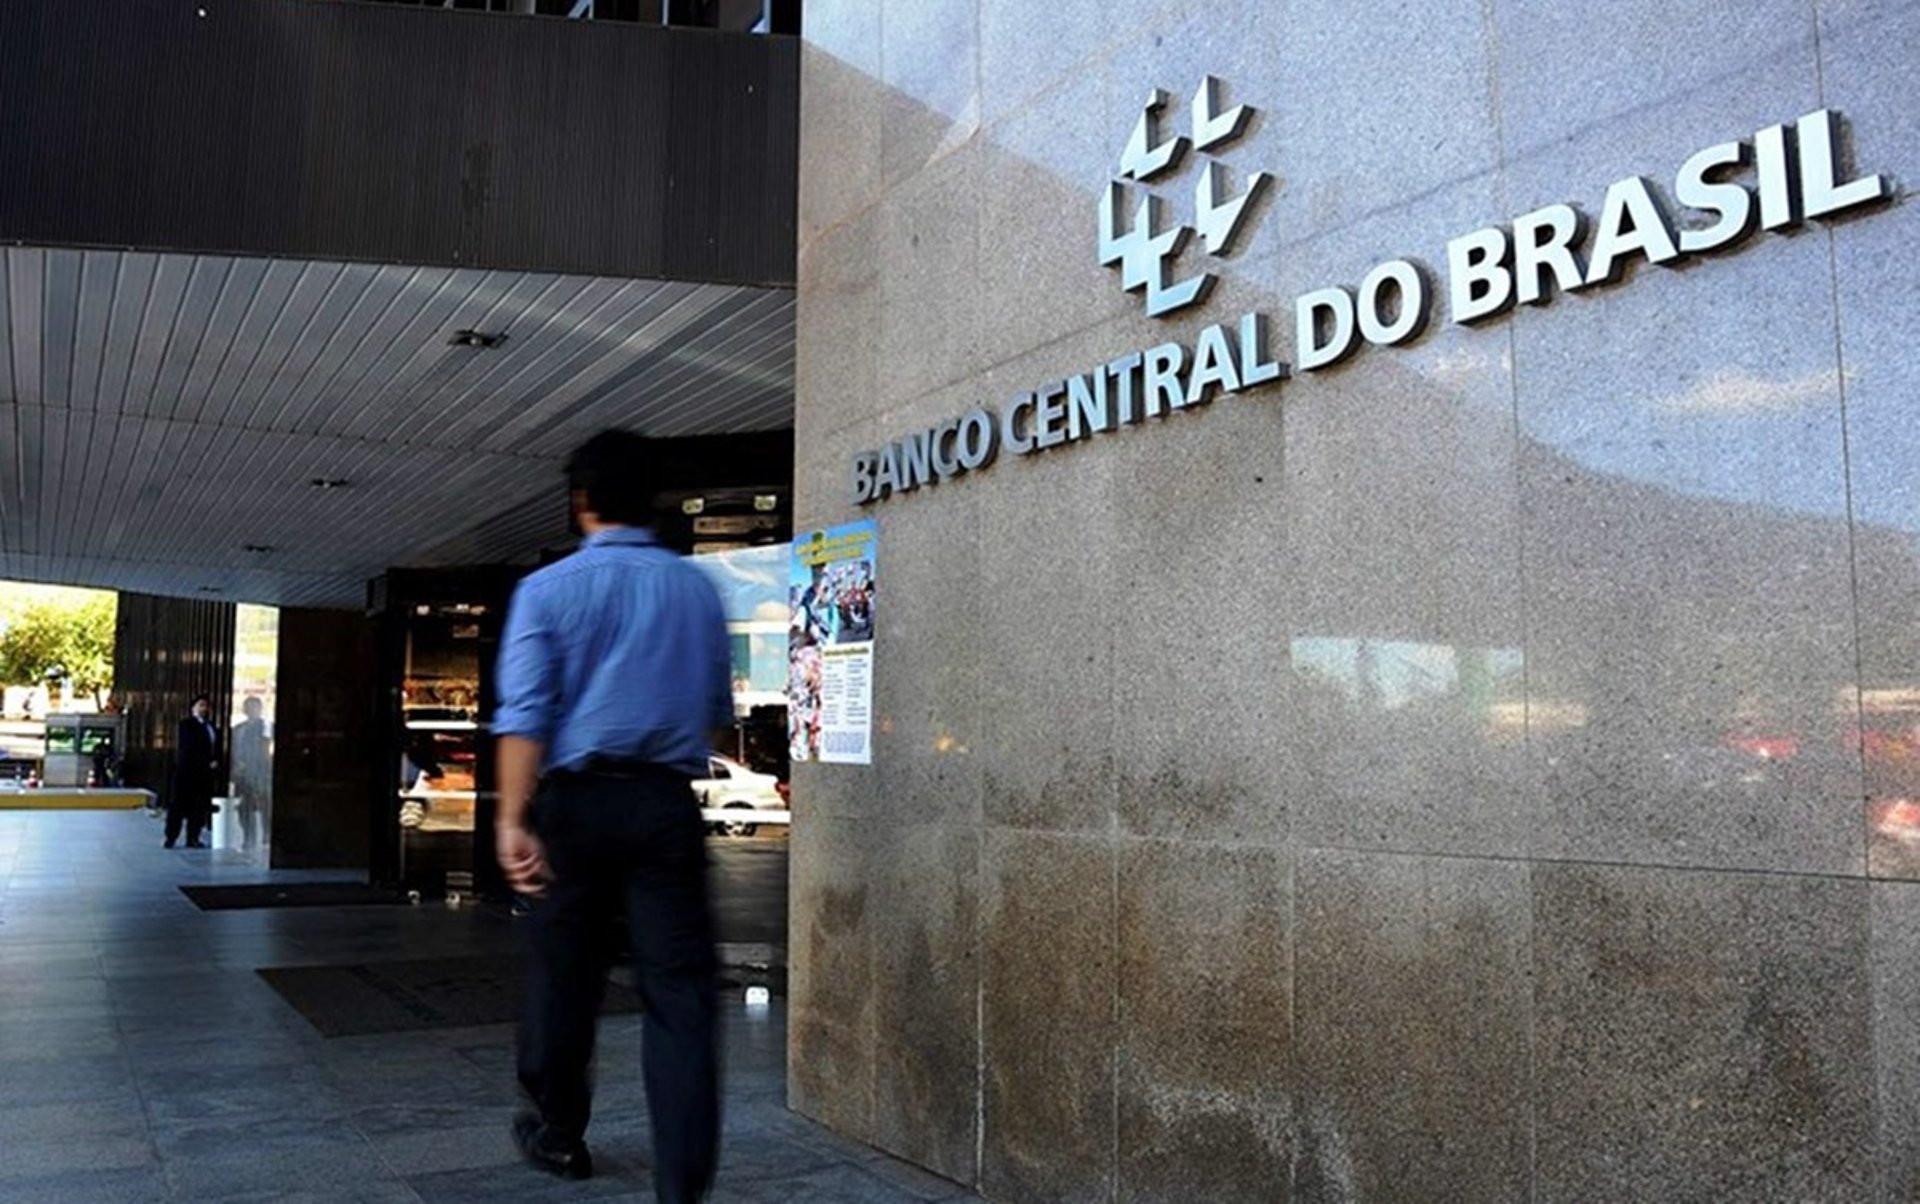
(830, 645)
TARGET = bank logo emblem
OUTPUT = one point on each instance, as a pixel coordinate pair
(1144, 250)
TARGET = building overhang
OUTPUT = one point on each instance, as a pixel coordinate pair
(294, 292)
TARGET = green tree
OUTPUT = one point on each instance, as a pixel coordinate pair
(59, 637)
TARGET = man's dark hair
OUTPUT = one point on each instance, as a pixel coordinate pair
(614, 470)
(197, 699)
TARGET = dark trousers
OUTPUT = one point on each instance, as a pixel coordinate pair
(193, 810)
(635, 842)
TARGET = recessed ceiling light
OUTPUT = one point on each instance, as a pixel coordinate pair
(477, 338)
(258, 549)
(329, 482)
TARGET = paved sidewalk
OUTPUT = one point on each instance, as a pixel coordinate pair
(142, 1059)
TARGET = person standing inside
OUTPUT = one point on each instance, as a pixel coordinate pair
(252, 773)
(196, 766)
(613, 682)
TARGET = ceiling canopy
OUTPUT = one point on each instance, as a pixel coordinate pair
(283, 430)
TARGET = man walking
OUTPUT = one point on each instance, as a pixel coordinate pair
(614, 676)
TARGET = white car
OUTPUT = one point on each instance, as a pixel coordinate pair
(731, 786)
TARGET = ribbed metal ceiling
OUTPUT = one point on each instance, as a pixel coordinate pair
(160, 415)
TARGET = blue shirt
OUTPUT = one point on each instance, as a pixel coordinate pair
(620, 652)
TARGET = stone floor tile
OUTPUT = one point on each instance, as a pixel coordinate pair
(93, 1152)
(518, 1184)
(431, 1151)
(144, 1185)
(69, 1079)
(142, 1059)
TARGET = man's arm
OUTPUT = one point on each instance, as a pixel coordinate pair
(522, 857)
(519, 772)
(523, 725)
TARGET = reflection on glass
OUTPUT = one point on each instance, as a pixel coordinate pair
(1392, 675)
(1407, 734)
(440, 703)
(256, 670)
(752, 587)
(752, 583)
(1890, 746)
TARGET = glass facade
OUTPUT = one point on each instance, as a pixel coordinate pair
(248, 826)
(444, 747)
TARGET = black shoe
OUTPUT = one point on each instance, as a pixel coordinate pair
(565, 1162)
(194, 844)
(168, 845)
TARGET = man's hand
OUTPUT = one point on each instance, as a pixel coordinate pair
(523, 859)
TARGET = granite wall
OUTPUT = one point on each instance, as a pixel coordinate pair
(1487, 770)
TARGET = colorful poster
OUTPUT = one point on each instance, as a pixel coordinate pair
(830, 645)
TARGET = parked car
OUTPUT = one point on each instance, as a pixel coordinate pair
(731, 786)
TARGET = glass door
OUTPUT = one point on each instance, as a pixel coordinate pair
(443, 732)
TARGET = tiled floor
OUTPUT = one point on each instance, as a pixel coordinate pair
(142, 1059)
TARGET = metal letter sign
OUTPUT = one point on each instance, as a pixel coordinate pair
(1144, 250)
(1797, 172)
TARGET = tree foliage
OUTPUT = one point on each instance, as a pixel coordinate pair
(58, 636)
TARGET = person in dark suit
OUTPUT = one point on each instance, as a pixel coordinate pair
(196, 767)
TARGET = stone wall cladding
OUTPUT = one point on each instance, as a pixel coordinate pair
(1485, 770)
